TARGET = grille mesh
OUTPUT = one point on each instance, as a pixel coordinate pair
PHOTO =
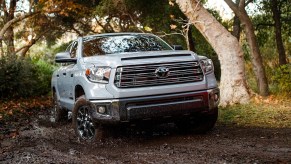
(132, 76)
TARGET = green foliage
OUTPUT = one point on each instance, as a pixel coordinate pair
(44, 72)
(24, 78)
(278, 77)
(250, 76)
(151, 16)
(281, 80)
(45, 53)
(60, 48)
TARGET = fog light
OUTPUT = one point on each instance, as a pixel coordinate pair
(101, 109)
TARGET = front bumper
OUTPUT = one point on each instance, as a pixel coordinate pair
(155, 107)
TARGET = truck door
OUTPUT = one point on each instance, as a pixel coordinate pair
(69, 77)
(66, 79)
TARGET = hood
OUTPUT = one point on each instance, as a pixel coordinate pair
(134, 58)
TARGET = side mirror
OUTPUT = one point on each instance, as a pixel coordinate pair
(64, 57)
(177, 47)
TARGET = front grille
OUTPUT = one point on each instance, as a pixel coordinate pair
(132, 76)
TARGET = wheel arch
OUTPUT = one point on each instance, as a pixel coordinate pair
(79, 91)
(54, 91)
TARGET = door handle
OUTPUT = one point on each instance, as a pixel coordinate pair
(72, 75)
(65, 73)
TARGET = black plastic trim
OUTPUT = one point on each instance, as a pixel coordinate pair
(158, 56)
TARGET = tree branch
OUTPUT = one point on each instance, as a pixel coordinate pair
(25, 48)
(1, 1)
(241, 4)
(31, 3)
(135, 23)
(233, 6)
(163, 34)
(15, 20)
(27, 45)
(5, 8)
(77, 31)
(100, 24)
(84, 24)
(107, 24)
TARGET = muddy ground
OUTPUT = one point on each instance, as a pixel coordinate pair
(35, 140)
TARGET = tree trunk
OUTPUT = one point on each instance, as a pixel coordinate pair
(9, 36)
(13, 21)
(236, 28)
(256, 57)
(9, 41)
(190, 40)
(25, 49)
(233, 81)
(236, 25)
(1, 49)
(6, 31)
(278, 33)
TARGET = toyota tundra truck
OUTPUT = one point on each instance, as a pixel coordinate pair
(128, 78)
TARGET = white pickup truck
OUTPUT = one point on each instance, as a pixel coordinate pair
(133, 78)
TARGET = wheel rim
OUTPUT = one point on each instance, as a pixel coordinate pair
(85, 124)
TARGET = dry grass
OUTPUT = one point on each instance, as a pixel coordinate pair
(261, 112)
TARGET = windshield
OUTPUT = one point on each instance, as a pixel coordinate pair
(102, 45)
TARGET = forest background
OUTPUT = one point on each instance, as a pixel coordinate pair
(33, 31)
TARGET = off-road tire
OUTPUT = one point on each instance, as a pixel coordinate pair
(83, 125)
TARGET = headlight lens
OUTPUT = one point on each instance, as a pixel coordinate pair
(98, 74)
(207, 65)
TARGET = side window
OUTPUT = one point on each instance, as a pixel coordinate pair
(74, 48)
(69, 47)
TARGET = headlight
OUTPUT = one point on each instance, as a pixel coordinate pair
(207, 65)
(98, 74)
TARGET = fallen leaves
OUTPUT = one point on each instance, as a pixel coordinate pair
(266, 100)
(15, 113)
(23, 105)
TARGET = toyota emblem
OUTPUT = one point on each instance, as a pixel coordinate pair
(162, 72)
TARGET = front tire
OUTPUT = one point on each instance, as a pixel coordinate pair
(85, 128)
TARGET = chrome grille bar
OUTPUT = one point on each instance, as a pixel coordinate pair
(132, 76)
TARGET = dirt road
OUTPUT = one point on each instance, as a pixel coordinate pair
(39, 142)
